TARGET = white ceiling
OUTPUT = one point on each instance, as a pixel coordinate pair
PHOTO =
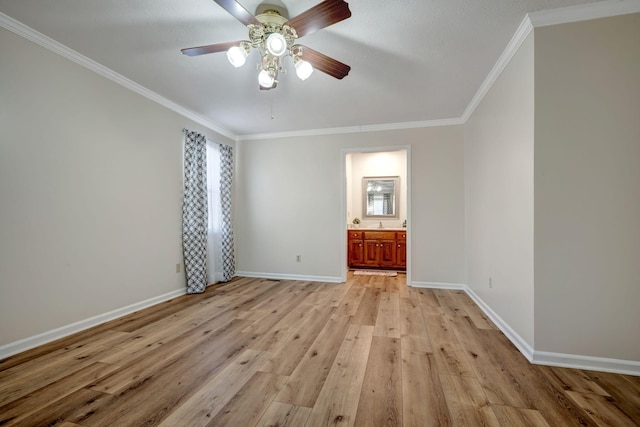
(411, 60)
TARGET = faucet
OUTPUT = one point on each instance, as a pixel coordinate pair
(380, 226)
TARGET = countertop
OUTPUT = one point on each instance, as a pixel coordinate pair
(377, 229)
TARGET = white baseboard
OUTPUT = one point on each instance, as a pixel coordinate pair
(54, 334)
(278, 276)
(573, 361)
(439, 285)
(589, 363)
(512, 335)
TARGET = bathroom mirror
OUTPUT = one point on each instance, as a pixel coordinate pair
(380, 197)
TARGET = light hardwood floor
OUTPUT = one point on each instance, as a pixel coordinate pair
(371, 352)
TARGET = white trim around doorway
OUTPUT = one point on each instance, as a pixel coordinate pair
(343, 199)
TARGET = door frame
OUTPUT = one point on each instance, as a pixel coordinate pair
(343, 201)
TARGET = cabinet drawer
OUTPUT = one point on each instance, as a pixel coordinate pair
(401, 235)
(355, 235)
(380, 235)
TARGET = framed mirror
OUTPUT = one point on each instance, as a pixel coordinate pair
(380, 197)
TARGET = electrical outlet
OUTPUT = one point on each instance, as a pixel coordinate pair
(490, 283)
(298, 258)
(178, 268)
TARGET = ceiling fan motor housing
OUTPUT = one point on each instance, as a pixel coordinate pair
(272, 7)
(271, 23)
(273, 34)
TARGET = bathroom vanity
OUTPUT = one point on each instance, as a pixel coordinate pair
(377, 249)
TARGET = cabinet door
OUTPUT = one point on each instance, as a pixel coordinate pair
(387, 253)
(356, 253)
(401, 253)
(371, 253)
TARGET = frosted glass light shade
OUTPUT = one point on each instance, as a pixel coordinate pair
(276, 44)
(237, 56)
(265, 80)
(303, 69)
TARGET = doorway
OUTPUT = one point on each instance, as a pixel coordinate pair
(360, 165)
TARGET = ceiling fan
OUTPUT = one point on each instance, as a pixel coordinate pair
(273, 35)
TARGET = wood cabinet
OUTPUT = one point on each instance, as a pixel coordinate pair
(377, 249)
(355, 248)
(401, 249)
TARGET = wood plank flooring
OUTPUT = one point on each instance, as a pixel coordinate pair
(258, 352)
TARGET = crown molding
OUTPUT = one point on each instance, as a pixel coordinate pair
(599, 9)
(584, 12)
(48, 43)
(352, 129)
(512, 47)
(563, 15)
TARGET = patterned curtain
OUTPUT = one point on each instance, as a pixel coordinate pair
(195, 212)
(226, 179)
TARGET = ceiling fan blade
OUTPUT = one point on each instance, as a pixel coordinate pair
(323, 63)
(211, 48)
(319, 16)
(237, 11)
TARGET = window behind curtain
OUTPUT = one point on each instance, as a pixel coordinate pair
(214, 238)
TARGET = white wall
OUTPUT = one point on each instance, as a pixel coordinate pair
(384, 163)
(289, 202)
(91, 181)
(499, 195)
(90, 193)
(587, 188)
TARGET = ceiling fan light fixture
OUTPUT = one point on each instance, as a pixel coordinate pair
(272, 34)
(303, 69)
(237, 55)
(266, 79)
(276, 44)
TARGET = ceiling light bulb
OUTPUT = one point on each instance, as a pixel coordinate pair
(276, 44)
(303, 69)
(265, 79)
(237, 56)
